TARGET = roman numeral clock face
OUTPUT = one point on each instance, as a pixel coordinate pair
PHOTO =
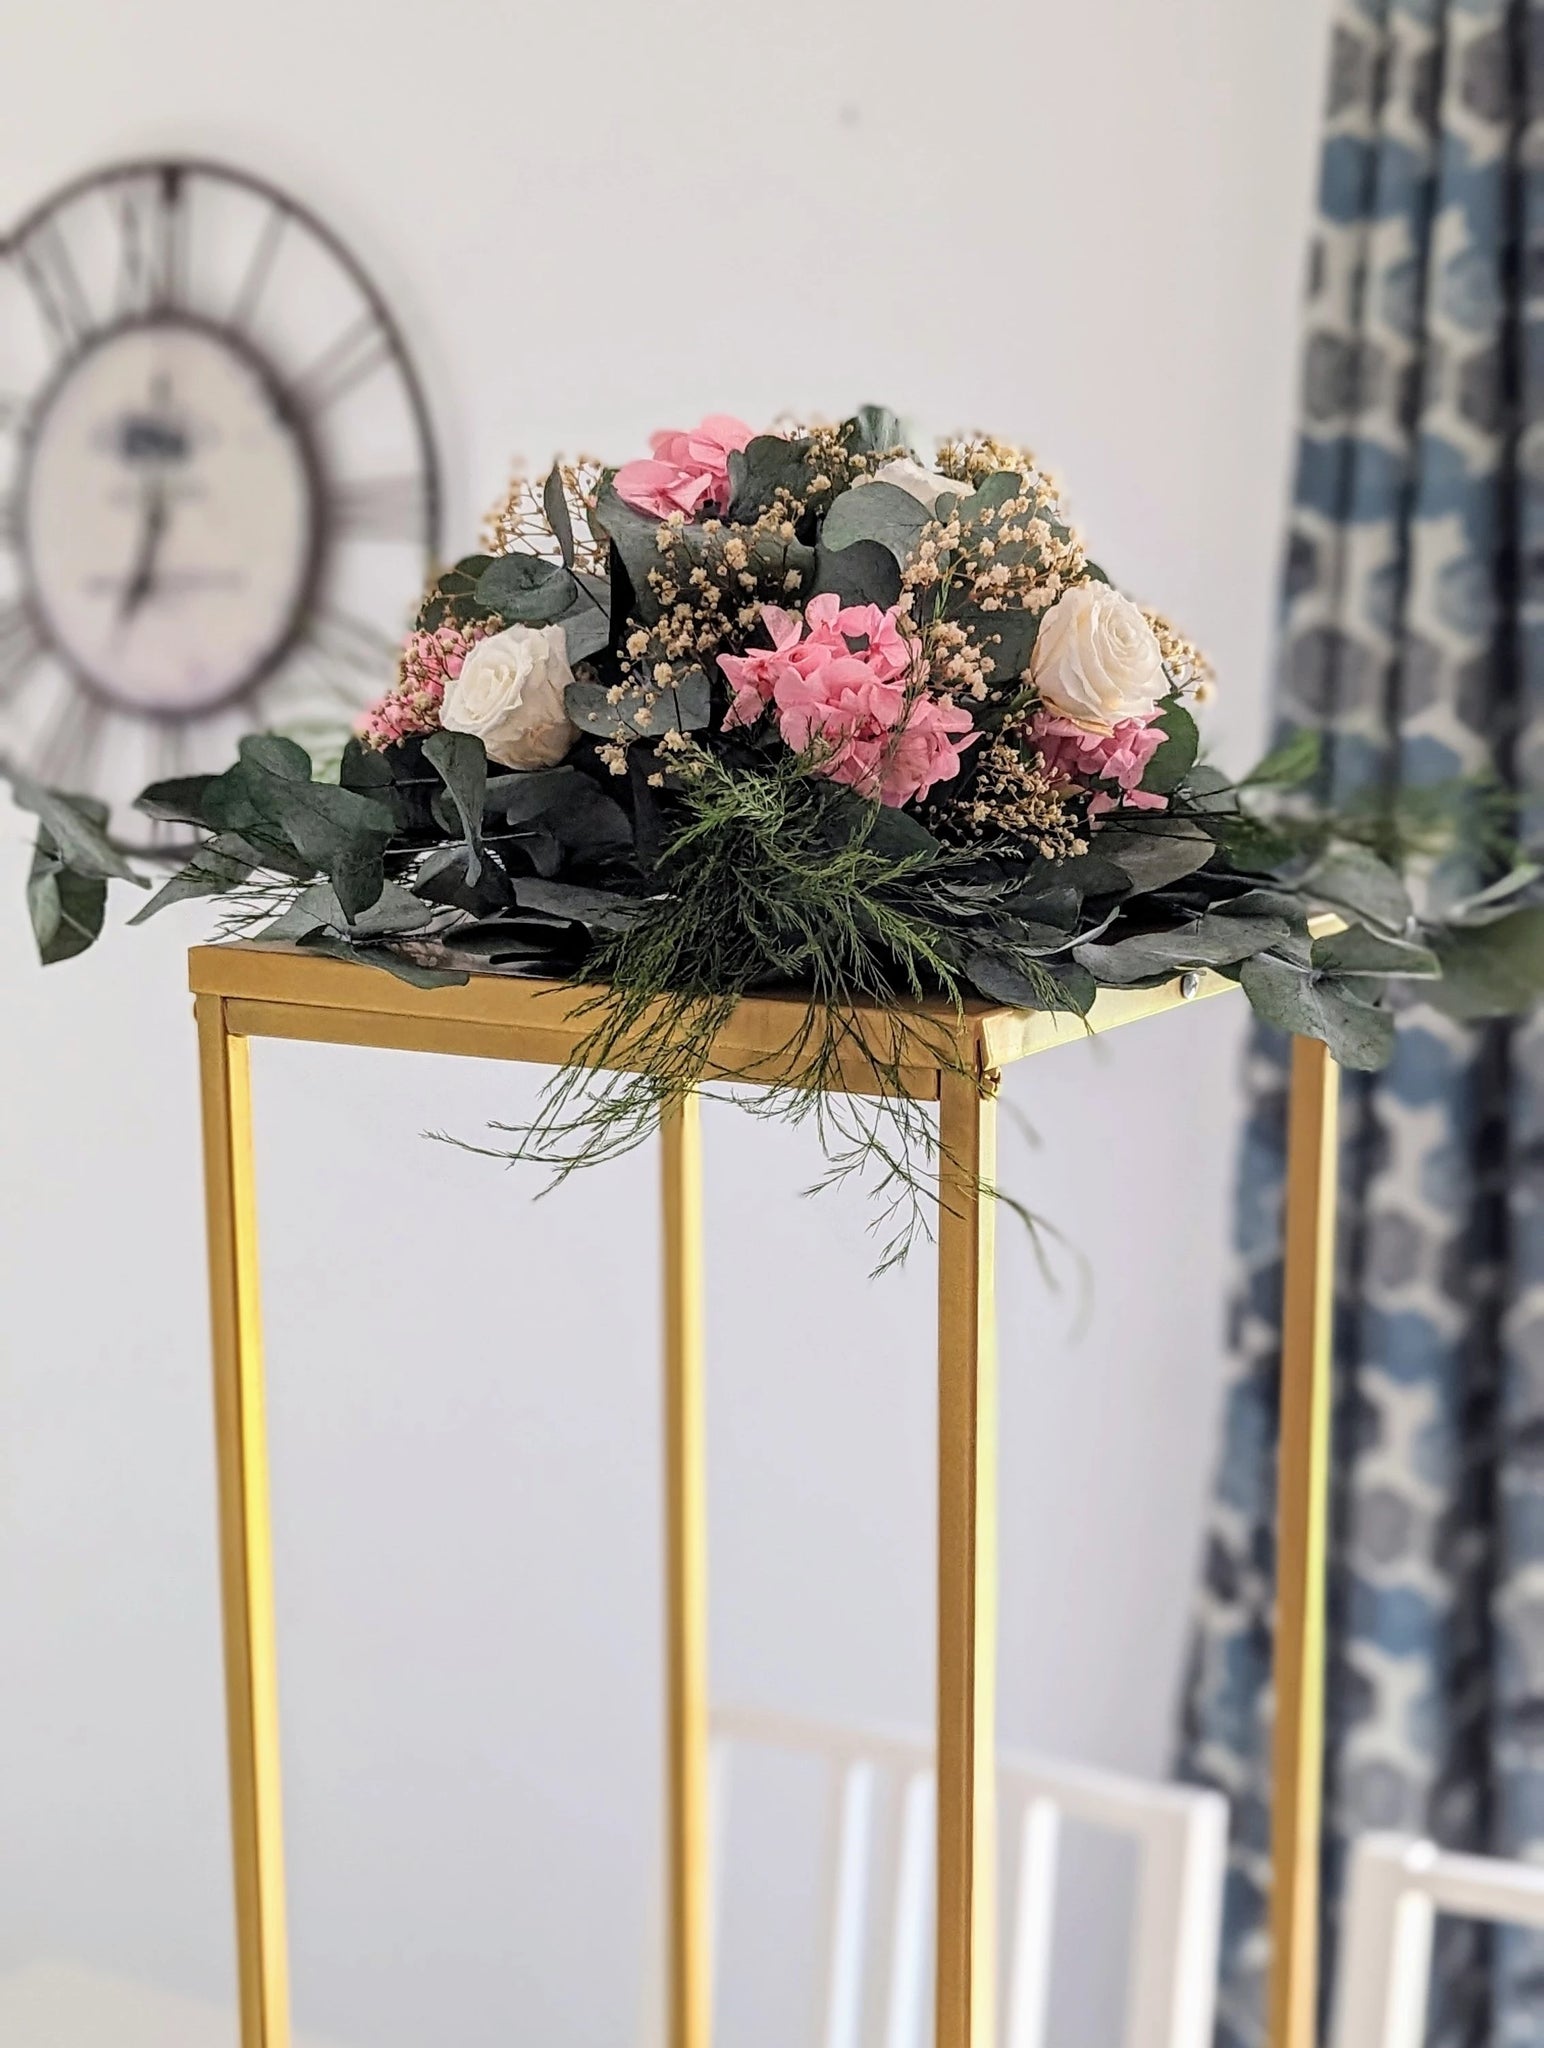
(218, 487)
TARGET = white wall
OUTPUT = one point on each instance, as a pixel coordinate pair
(1079, 224)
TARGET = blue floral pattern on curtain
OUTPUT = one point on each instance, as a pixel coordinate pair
(1414, 640)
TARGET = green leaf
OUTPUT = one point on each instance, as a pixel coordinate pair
(876, 511)
(873, 430)
(1490, 970)
(364, 768)
(339, 831)
(767, 464)
(385, 957)
(865, 573)
(212, 871)
(1008, 638)
(275, 755)
(526, 591)
(1290, 765)
(67, 908)
(634, 536)
(897, 835)
(76, 825)
(686, 707)
(461, 761)
(991, 492)
(586, 630)
(1054, 986)
(1312, 1005)
(441, 879)
(554, 502)
(1176, 757)
(599, 910)
(1352, 879)
(1210, 940)
(1494, 902)
(179, 801)
(522, 794)
(462, 578)
(1153, 857)
(1356, 950)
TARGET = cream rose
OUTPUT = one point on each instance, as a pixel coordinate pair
(927, 486)
(510, 694)
(1097, 660)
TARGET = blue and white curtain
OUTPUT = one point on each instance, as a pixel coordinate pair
(1414, 640)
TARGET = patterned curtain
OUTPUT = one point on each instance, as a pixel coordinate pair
(1414, 640)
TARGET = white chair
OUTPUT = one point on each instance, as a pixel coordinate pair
(1181, 1836)
(1397, 1888)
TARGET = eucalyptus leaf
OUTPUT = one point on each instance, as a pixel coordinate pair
(1288, 766)
(1208, 941)
(1490, 970)
(554, 503)
(462, 763)
(212, 871)
(767, 464)
(1356, 950)
(879, 512)
(634, 535)
(77, 827)
(177, 801)
(1352, 879)
(1176, 756)
(1312, 1005)
(67, 908)
(874, 430)
(387, 957)
(526, 591)
(600, 910)
(686, 707)
(1007, 638)
(1153, 857)
(865, 573)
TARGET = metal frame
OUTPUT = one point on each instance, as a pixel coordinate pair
(952, 1057)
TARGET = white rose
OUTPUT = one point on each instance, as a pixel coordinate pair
(1096, 659)
(927, 486)
(510, 694)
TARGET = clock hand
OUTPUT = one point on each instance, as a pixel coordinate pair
(142, 581)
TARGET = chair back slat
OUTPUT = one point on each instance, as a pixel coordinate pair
(1034, 1924)
(851, 1827)
(1179, 1834)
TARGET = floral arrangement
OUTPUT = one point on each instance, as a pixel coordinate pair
(798, 709)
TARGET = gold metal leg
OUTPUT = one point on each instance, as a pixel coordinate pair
(1302, 1521)
(246, 1561)
(686, 1583)
(967, 1570)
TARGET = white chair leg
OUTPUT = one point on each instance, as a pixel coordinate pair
(1173, 1995)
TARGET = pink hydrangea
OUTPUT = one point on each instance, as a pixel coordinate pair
(1120, 756)
(838, 684)
(428, 662)
(689, 468)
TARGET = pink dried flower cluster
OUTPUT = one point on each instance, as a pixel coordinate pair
(1119, 756)
(838, 682)
(689, 468)
(429, 661)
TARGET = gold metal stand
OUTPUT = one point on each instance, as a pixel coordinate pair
(953, 1058)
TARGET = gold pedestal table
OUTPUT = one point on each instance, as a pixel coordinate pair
(955, 1058)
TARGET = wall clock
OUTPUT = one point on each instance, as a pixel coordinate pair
(219, 494)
